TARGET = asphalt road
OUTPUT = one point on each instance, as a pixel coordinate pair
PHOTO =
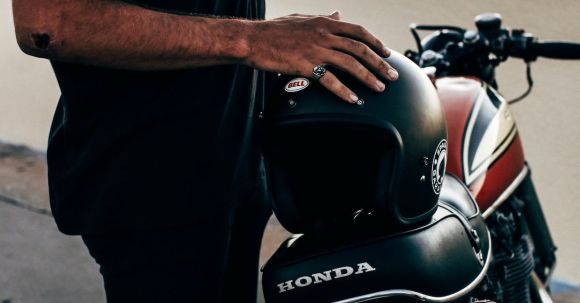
(38, 264)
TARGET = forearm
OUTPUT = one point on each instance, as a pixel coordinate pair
(115, 34)
(112, 33)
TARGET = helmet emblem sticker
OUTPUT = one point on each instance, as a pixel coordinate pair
(296, 85)
(438, 166)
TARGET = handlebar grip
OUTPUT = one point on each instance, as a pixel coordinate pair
(555, 49)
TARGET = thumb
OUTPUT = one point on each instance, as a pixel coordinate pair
(336, 15)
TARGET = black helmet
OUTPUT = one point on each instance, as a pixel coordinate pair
(328, 160)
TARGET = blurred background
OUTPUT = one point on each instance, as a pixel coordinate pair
(548, 121)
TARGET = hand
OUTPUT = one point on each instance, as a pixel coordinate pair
(295, 44)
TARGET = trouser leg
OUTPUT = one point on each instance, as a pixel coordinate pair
(211, 261)
(244, 249)
(171, 265)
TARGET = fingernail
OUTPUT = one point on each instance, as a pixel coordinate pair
(393, 74)
(353, 98)
(380, 86)
(387, 51)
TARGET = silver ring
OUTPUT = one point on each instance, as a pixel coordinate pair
(318, 72)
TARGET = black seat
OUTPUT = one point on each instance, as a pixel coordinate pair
(444, 258)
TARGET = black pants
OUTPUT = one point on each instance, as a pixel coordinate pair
(214, 260)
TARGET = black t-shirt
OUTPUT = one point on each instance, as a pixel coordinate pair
(139, 150)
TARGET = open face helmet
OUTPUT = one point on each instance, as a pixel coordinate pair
(328, 161)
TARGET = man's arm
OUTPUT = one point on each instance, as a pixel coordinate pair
(120, 35)
(117, 34)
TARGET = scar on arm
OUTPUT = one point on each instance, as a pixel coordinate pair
(41, 40)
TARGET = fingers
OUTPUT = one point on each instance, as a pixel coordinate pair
(330, 82)
(352, 66)
(367, 56)
(358, 32)
(328, 40)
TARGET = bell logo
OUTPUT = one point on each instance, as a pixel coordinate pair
(326, 276)
(296, 85)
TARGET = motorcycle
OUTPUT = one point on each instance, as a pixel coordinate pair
(487, 241)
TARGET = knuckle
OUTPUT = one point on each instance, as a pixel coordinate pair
(322, 32)
(344, 91)
(377, 60)
(327, 81)
(384, 65)
(363, 50)
(332, 82)
(369, 77)
(360, 29)
(356, 46)
(350, 61)
(320, 19)
(303, 68)
(338, 87)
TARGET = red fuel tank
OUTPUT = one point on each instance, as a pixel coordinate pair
(485, 150)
